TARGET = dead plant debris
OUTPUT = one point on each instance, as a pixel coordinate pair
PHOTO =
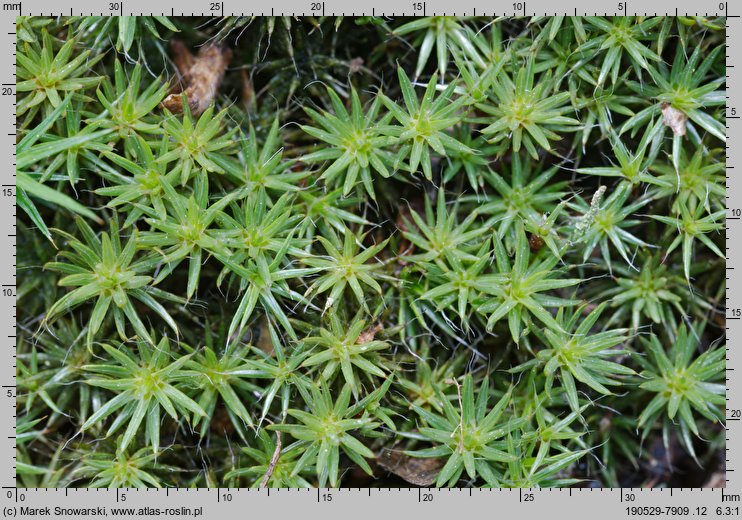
(200, 75)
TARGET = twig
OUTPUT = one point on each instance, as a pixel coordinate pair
(273, 462)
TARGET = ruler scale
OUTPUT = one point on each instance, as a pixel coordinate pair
(364, 503)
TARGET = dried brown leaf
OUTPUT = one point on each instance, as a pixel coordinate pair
(370, 333)
(183, 60)
(201, 76)
(421, 472)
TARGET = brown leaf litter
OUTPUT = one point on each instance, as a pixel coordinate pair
(200, 76)
(418, 471)
(369, 334)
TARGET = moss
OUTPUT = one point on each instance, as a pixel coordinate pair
(493, 247)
